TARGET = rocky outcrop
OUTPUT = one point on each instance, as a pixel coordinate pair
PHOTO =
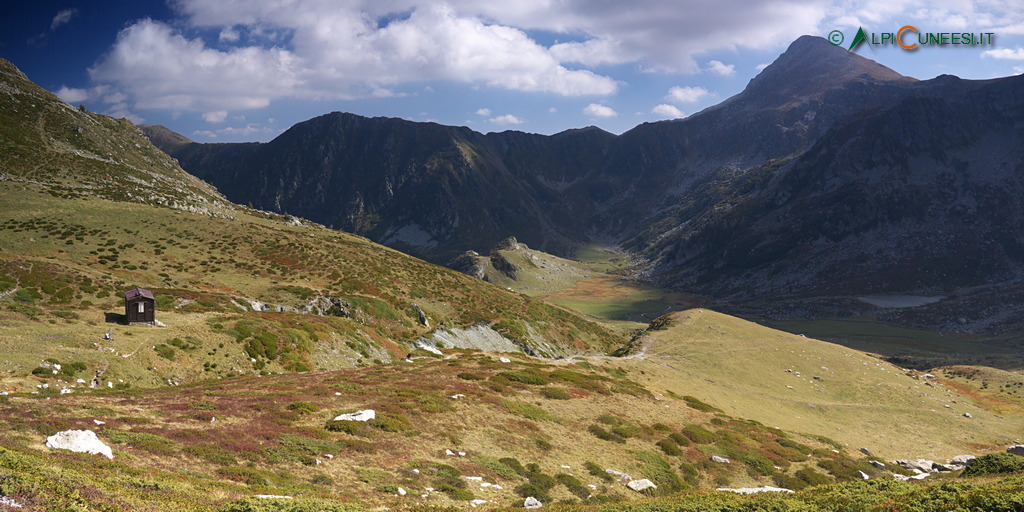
(80, 441)
(323, 305)
(919, 465)
(503, 265)
(1016, 449)
(470, 263)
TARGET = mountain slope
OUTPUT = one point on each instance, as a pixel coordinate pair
(828, 175)
(871, 208)
(426, 189)
(240, 291)
(71, 152)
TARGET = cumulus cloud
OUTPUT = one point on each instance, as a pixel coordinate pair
(63, 17)
(331, 53)
(506, 119)
(72, 95)
(668, 111)
(594, 52)
(596, 110)
(687, 94)
(217, 116)
(162, 69)
(1005, 53)
(319, 49)
(721, 69)
(483, 112)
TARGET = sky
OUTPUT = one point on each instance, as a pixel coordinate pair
(246, 70)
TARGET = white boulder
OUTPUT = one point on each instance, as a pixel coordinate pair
(80, 441)
(532, 502)
(641, 485)
(721, 460)
(754, 490)
(364, 415)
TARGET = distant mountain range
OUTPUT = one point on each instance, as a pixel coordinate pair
(829, 175)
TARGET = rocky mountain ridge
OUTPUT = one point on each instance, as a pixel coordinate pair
(828, 175)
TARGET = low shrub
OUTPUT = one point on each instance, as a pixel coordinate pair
(303, 407)
(669, 447)
(596, 470)
(697, 404)
(525, 378)
(604, 435)
(994, 463)
(698, 434)
(555, 393)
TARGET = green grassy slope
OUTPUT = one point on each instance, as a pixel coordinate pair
(89, 208)
(806, 385)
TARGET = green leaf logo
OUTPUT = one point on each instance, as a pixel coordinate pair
(858, 39)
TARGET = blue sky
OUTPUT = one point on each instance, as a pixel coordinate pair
(245, 70)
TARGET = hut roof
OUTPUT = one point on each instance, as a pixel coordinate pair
(135, 293)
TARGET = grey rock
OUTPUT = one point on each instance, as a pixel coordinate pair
(532, 502)
(618, 474)
(1016, 449)
(641, 485)
(721, 460)
(921, 465)
(877, 464)
(962, 460)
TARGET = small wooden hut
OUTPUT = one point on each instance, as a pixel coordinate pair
(139, 306)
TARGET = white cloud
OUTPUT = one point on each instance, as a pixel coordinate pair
(1005, 53)
(246, 130)
(552, 110)
(483, 112)
(594, 52)
(217, 116)
(322, 49)
(63, 17)
(330, 53)
(228, 35)
(666, 110)
(687, 94)
(595, 110)
(205, 133)
(506, 119)
(762, 66)
(72, 95)
(721, 69)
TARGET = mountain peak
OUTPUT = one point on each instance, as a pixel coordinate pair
(812, 65)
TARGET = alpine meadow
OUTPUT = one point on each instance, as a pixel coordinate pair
(806, 297)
